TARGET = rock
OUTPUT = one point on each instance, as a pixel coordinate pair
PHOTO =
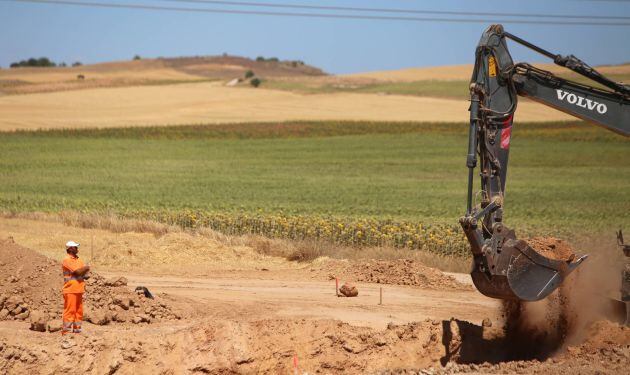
(119, 317)
(3, 299)
(136, 320)
(244, 358)
(39, 320)
(353, 347)
(13, 302)
(54, 325)
(99, 318)
(18, 310)
(22, 316)
(4, 313)
(67, 344)
(349, 290)
(145, 318)
(486, 322)
(116, 281)
(123, 302)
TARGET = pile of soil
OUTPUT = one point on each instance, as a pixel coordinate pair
(33, 282)
(551, 247)
(395, 272)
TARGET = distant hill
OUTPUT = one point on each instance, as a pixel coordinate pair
(147, 72)
(463, 72)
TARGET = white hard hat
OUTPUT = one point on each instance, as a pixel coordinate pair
(70, 244)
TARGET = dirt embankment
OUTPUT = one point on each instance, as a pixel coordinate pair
(396, 272)
(324, 346)
(32, 282)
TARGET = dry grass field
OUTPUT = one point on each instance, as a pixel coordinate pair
(211, 102)
(192, 90)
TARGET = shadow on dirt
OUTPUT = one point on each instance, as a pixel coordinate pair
(468, 343)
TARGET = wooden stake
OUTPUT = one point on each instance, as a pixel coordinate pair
(295, 364)
(336, 287)
(381, 297)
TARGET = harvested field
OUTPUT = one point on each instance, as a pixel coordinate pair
(210, 102)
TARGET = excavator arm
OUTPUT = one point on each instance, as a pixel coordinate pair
(503, 266)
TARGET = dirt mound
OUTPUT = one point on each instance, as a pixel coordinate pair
(551, 247)
(32, 282)
(396, 272)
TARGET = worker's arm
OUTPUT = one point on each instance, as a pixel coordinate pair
(76, 272)
(79, 272)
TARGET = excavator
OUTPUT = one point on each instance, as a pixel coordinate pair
(505, 267)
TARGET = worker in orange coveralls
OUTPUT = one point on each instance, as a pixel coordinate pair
(74, 274)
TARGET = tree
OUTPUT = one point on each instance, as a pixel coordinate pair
(137, 57)
(33, 62)
(260, 58)
(249, 74)
(77, 63)
(255, 82)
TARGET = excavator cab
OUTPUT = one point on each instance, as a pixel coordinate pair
(503, 266)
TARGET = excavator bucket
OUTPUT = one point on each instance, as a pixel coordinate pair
(518, 272)
(532, 276)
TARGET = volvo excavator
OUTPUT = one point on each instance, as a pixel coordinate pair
(505, 267)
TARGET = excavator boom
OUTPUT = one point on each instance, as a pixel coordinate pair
(503, 266)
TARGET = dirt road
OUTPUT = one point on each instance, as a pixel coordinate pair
(255, 298)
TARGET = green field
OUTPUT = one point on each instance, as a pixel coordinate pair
(454, 89)
(562, 177)
(428, 88)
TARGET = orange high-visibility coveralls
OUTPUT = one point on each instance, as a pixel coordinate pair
(73, 289)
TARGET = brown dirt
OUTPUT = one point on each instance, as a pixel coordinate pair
(551, 247)
(257, 322)
(397, 272)
(36, 282)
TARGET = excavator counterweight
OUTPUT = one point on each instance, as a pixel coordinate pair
(503, 266)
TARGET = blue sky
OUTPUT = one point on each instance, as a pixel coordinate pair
(90, 35)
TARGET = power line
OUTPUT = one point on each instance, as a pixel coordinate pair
(315, 15)
(390, 10)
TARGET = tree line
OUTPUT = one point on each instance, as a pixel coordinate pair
(42, 62)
